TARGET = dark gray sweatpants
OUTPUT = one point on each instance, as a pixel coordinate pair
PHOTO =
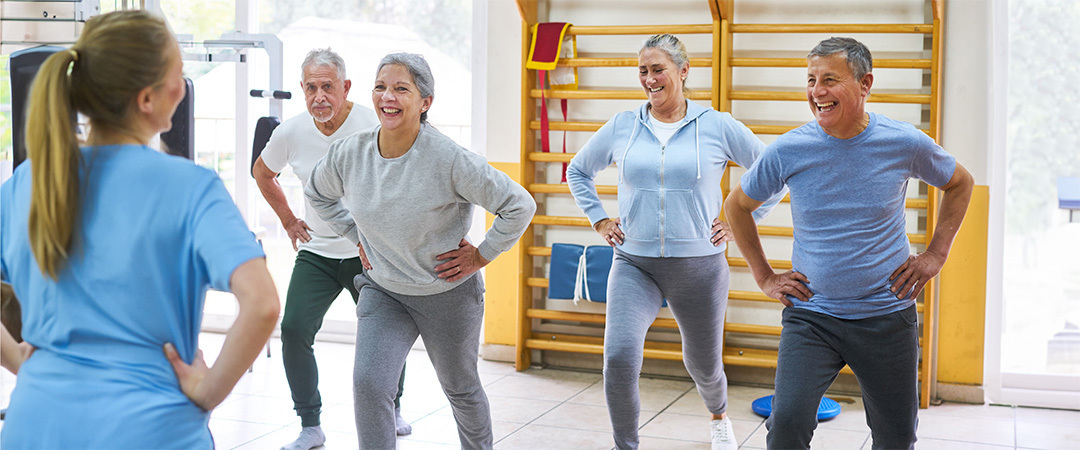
(883, 352)
(696, 290)
(387, 326)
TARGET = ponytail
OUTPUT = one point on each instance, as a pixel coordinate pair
(55, 160)
(117, 55)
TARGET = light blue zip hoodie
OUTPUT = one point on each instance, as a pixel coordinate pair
(670, 194)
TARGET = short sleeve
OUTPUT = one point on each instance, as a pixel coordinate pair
(930, 162)
(276, 153)
(765, 177)
(221, 238)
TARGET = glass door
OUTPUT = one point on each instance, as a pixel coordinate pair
(1040, 252)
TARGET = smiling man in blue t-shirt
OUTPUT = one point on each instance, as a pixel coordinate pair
(851, 294)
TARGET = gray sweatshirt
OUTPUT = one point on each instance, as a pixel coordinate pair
(409, 209)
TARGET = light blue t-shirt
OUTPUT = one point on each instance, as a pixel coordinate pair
(155, 232)
(847, 205)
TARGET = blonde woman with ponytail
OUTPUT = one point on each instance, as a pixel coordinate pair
(111, 248)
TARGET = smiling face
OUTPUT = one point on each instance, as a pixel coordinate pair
(836, 98)
(662, 80)
(396, 98)
(324, 92)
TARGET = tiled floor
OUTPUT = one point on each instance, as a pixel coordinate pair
(559, 409)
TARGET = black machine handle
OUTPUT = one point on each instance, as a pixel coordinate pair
(260, 93)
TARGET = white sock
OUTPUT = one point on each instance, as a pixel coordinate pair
(310, 437)
(403, 427)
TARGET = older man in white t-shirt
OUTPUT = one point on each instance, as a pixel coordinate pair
(325, 263)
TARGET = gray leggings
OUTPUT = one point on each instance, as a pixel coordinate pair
(696, 290)
(387, 326)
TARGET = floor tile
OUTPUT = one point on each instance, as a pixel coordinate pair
(690, 404)
(253, 408)
(693, 428)
(1047, 435)
(580, 417)
(971, 411)
(435, 428)
(495, 367)
(672, 444)
(1049, 416)
(232, 433)
(339, 418)
(519, 410)
(532, 437)
(941, 444)
(543, 384)
(655, 393)
(334, 440)
(740, 399)
(824, 438)
(852, 417)
(969, 429)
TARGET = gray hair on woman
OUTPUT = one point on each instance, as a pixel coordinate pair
(673, 47)
(858, 56)
(419, 70)
(324, 57)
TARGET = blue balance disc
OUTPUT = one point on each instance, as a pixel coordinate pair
(826, 410)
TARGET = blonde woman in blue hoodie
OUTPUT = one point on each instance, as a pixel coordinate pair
(669, 243)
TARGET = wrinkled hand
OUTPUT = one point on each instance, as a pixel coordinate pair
(780, 285)
(462, 262)
(721, 232)
(611, 231)
(363, 256)
(298, 229)
(191, 376)
(911, 277)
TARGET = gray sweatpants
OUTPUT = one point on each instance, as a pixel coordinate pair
(387, 326)
(696, 290)
(883, 352)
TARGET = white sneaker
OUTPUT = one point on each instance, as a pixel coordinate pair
(723, 435)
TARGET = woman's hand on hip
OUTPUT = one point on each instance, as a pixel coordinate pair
(363, 256)
(192, 376)
(610, 230)
(721, 232)
(463, 261)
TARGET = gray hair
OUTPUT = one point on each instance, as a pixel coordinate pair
(419, 70)
(858, 56)
(673, 47)
(324, 57)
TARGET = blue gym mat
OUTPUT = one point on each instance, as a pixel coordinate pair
(826, 410)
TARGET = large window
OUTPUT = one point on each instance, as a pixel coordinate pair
(1040, 344)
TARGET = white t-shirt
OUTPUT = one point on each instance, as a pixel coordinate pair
(664, 131)
(297, 142)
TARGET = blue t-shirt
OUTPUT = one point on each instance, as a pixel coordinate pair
(847, 206)
(155, 231)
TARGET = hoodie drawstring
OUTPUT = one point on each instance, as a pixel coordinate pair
(697, 146)
(622, 162)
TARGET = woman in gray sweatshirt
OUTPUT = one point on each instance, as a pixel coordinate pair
(404, 192)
